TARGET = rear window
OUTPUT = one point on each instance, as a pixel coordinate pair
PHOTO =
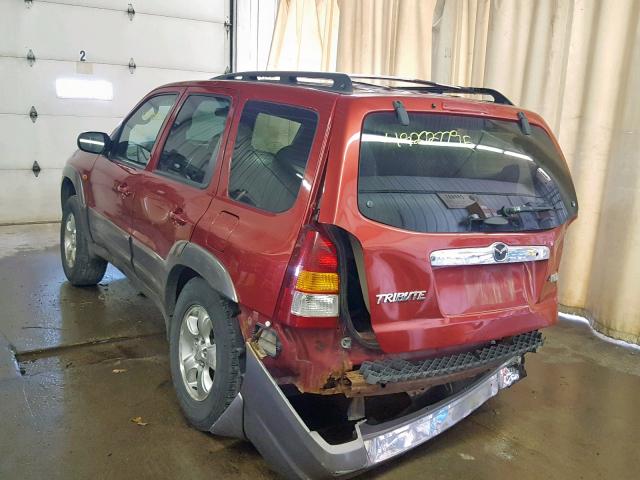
(454, 173)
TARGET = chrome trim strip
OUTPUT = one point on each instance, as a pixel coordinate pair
(492, 254)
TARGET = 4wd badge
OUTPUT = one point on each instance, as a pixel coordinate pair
(417, 295)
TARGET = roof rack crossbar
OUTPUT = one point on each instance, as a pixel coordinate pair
(434, 87)
(340, 82)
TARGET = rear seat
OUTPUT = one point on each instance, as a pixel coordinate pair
(262, 178)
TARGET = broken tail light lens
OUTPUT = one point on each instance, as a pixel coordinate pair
(311, 295)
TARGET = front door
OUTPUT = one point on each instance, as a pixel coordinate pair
(111, 181)
(176, 191)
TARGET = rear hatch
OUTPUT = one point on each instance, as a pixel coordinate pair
(456, 223)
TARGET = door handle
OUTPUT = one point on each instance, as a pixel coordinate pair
(177, 217)
(123, 189)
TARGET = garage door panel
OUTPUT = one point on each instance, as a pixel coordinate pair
(205, 10)
(169, 41)
(109, 36)
(25, 198)
(24, 86)
(50, 141)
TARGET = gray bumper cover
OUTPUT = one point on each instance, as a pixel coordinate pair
(280, 435)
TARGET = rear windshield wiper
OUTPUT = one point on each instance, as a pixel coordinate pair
(508, 211)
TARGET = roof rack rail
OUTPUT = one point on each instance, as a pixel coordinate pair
(337, 82)
(343, 83)
(434, 87)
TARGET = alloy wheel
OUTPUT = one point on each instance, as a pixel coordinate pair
(197, 352)
(70, 245)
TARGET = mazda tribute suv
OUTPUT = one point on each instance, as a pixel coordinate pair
(346, 265)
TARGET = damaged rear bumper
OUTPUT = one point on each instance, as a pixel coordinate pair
(269, 421)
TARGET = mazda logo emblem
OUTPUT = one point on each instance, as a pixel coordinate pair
(500, 252)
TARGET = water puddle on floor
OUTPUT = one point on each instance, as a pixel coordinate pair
(108, 351)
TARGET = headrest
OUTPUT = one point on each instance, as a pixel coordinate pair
(293, 156)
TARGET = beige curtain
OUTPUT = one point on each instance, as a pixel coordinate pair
(576, 62)
(385, 37)
(305, 36)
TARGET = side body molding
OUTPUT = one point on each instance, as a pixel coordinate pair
(205, 263)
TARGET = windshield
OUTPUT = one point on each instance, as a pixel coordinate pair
(455, 173)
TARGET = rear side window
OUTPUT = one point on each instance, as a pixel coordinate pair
(454, 173)
(270, 155)
(191, 149)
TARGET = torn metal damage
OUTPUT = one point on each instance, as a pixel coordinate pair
(279, 433)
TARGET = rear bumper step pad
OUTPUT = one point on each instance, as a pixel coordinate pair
(399, 370)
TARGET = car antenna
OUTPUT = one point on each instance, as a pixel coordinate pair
(401, 112)
(524, 123)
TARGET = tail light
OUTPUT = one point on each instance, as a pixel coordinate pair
(310, 296)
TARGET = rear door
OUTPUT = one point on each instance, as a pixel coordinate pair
(442, 265)
(112, 178)
(175, 191)
(270, 170)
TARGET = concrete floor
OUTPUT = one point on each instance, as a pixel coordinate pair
(64, 413)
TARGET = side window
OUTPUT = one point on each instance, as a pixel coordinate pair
(270, 155)
(139, 133)
(191, 149)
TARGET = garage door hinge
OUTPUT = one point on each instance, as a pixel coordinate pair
(31, 57)
(131, 12)
(33, 114)
(36, 168)
(132, 66)
(227, 25)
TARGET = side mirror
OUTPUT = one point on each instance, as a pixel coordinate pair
(94, 142)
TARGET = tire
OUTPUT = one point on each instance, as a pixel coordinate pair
(82, 268)
(221, 335)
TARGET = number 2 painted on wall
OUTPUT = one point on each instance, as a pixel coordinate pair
(82, 55)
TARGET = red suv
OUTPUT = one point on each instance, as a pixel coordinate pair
(346, 265)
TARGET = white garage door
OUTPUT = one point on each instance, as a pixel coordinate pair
(168, 40)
